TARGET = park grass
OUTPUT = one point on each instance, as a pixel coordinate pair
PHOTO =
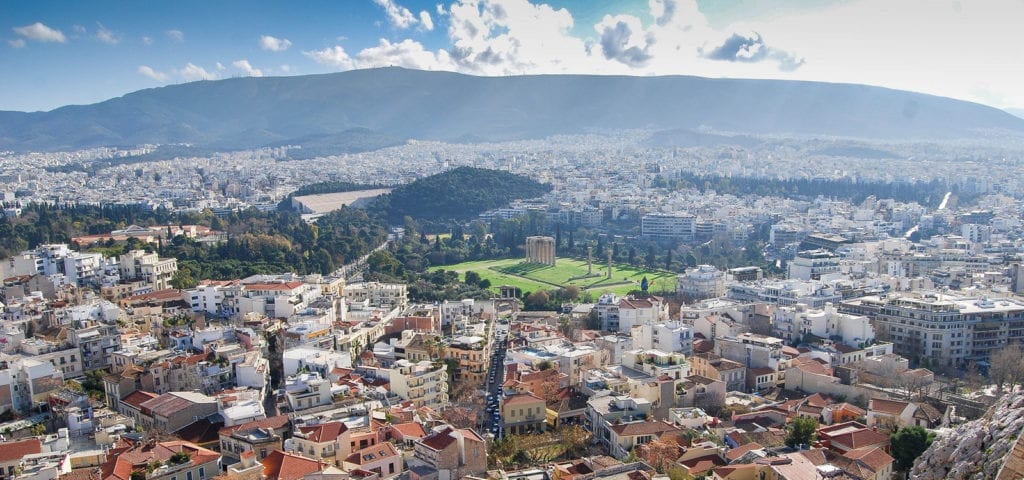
(531, 277)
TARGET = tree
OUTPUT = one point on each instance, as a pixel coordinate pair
(1007, 366)
(908, 444)
(659, 454)
(472, 278)
(183, 279)
(802, 431)
(537, 300)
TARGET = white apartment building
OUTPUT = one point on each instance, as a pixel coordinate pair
(422, 383)
(656, 363)
(314, 359)
(945, 329)
(752, 351)
(621, 314)
(67, 360)
(148, 267)
(278, 299)
(813, 265)
(701, 282)
(376, 294)
(82, 269)
(678, 226)
(669, 336)
(794, 322)
(307, 390)
(215, 298)
(790, 292)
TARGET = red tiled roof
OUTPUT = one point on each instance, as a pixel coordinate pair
(888, 407)
(137, 397)
(643, 428)
(378, 451)
(742, 450)
(324, 432)
(88, 473)
(289, 466)
(522, 398)
(702, 464)
(439, 440)
(861, 438)
(410, 429)
(873, 457)
(120, 465)
(11, 451)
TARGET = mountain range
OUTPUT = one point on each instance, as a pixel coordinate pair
(367, 109)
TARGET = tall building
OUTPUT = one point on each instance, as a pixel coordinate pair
(944, 329)
(677, 226)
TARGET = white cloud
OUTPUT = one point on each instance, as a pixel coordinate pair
(192, 72)
(41, 33)
(906, 44)
(106, 36)
(398, 15)
(245, 67)
(16, 43)
(176, 35)
(78, 29)
(425, 21)
(220, 67)
(407, 53)
(148, 71)
(332, 56)
(286, 68)
(147, 40)
(274, 44)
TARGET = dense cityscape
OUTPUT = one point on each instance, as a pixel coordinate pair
(511, 240)
(753, 332)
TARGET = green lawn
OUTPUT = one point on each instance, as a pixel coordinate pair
(566, 271)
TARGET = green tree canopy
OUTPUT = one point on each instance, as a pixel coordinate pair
(802, 431)
(909, 443)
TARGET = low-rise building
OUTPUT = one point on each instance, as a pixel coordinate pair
(523, 413)
(260, 437)
(450, 453)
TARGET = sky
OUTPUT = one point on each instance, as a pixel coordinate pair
(55, 53)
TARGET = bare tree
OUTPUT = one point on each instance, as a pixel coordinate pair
(659, 454)
(1007, 366)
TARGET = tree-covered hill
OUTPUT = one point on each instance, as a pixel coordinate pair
(459, 194)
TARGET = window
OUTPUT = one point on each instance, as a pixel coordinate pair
(202, 472)
(188, 475)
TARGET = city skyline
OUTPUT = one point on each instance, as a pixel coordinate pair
(60, 53)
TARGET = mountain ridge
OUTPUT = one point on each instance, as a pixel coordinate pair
(392, 102)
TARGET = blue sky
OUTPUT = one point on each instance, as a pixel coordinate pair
(55, 53)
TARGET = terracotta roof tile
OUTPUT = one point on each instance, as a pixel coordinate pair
(888, 407)
(10, 451)
(324, 432)
(439, 440)
(289, 466)
(137, 398)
